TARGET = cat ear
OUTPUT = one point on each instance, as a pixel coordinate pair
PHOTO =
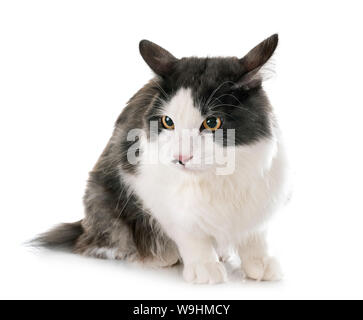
(159, 60)
(254, 60)
(259, 55)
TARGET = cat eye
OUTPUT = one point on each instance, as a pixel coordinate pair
(167, 123)
(212, 123)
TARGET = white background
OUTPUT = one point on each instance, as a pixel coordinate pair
(68, 67)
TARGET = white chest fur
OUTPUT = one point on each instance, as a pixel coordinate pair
(225, 207)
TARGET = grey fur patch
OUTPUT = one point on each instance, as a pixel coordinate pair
(64, 236)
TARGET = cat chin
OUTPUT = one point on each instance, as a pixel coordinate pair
(190, 169)
(194, 171)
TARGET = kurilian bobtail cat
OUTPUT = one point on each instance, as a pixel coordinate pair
(160, 194)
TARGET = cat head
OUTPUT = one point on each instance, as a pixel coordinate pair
(203, 105)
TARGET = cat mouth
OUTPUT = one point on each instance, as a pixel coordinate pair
(179, 164)
(186, 167)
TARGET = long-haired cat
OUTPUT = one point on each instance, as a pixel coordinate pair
(195, 167)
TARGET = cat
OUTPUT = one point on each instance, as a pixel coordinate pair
(159, 194)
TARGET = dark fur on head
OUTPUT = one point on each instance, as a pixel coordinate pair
(114, 216)
(227, 87)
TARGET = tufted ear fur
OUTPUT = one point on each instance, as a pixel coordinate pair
(161, 61)
(254, 60)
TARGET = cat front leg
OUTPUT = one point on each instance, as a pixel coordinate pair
(201, 262)
(256, 263)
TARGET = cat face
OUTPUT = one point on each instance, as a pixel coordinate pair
(205, 106)
(186, 138)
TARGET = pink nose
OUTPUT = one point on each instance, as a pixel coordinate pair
(182, 158)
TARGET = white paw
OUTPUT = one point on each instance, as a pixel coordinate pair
(267, 269)
(205, 272)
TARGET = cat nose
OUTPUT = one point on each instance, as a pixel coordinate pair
(182, 158)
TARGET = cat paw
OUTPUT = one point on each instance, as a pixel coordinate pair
(266, 269)
(169, 259)
(207, 272)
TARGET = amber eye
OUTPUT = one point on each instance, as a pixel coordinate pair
(212, 123)
(167, 123)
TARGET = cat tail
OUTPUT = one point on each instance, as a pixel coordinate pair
(63, 236)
